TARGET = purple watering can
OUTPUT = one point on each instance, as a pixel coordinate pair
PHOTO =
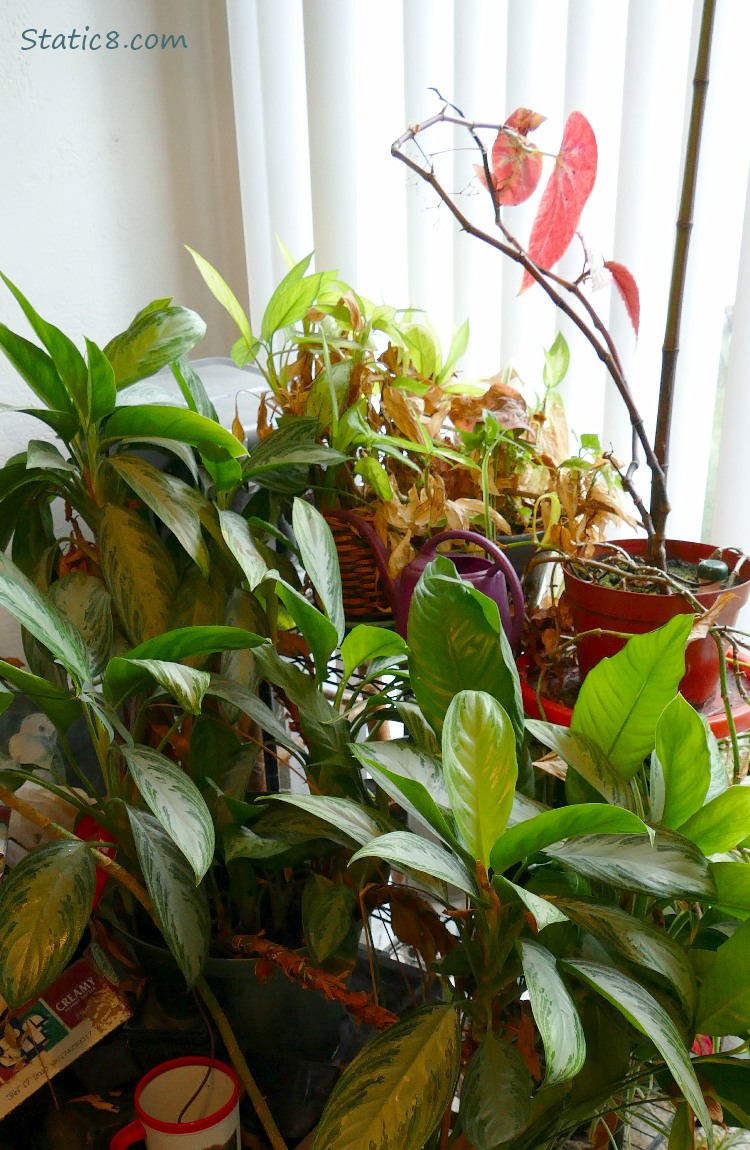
(494, 576)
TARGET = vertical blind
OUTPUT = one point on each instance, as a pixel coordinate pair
(323, 87)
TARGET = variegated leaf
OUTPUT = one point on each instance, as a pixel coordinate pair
(45, 902)
(177, 803)
(535, 834)
(171, 500)
(544, 913)
(670, 867)
(327, 909)
(186, 685)
(644, 1013)
(181, 906)
(495, 1096)
(586, 758)
(138, 572)
(320, 560)
(343, 814)
(554, 1013)
(480, 769)
(85, 601)
(27, 605)
(638, 942)
(394, 1093)
(239, 666)
(408, 792)
(153, 340)
(412, 853)
(242, 545)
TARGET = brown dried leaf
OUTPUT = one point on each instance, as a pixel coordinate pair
(404, 419)
(506, 404)
(709, 618)
(97, 1102)
(552, 435)
(552, 764)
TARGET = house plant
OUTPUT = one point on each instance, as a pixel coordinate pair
(510, 174)
(589, 909)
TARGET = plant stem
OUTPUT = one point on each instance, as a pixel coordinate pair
(238, 1061)
(659, 502)
(718, 640)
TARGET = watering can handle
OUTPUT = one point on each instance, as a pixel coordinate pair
(501, 560)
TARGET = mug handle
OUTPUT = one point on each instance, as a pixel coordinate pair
(128, 1136)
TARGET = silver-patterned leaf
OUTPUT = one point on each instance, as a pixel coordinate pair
(586, 758)
(495, 1096)
(85, 601)
(346, 816)
(242, 545)
(153, 340)
(544, 912)
(670, 867)
(535, 834)
(186, 685)
(177, 803)
(554, 1013)
(171, 500)
(394, 1093)
(405, 790)
(138, 572)
(45, 902)
(479, 768)
(27, 605)
(181, 906)
(410, 852)
(327, 909)
(644, 1013)
(320, 560)
(637, 942)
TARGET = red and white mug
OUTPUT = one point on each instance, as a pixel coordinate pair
(211, 1121)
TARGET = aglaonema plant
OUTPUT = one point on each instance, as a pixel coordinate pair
(589, 944)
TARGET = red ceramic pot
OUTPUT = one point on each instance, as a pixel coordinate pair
(634, 613)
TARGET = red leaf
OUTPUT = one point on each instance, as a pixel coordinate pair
(567, 191)
(516, 165)
(628, 289)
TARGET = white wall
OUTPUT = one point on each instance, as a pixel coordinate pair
(111, 161)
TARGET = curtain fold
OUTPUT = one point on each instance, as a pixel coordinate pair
(322, 88)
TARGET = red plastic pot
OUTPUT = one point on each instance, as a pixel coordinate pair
(634, 613)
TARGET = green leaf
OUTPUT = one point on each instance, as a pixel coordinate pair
(193, 391)
(327, 909)
(644, 1013)
(524, 839)
(556, 362)
(181, 906)
(281, 461)
(554, 1013)
(584, 756)
(176, 802)
(224, 294)
(24, 602)
(45, 903)
(724, 995)
(320, 560)
(45, 456)
(458, 347)
(182, 451)
(149, 420)
(100, 384)
(722, 824)
(638, 942)
(56, 703)
(495, 1096)
(685, 760)
(172, 501)
(185, 685)
(407, 791)
(412, 853)
(730, 1079)
(62, 423)
(138, 571)
(480, 769)
(621, 699)
(456, 644)
(65, 355)
(85, 602)
(125, 675)
(346, 816)
(153, 340)
(681, 1131)
(376, 475)
(364, 643)
(240, 542)
(247, 701)
(317, 629)
(544, 913)
(670, 867)
(293, 297)
(37, 370)
(733, 885)
(394, 1093)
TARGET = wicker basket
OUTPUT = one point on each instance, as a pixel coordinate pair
(365, 585)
